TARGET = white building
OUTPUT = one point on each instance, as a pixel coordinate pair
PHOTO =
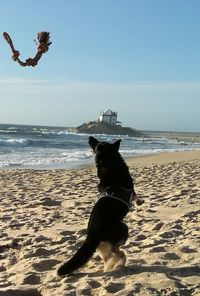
(108, 117)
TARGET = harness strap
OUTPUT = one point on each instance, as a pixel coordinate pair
(119, 198)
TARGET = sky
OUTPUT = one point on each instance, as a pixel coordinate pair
(139, 58)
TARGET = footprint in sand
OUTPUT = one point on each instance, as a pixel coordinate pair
(140, 237)
(171, 256)
(177, 226)
(114, 287)
(45, 265)
(40, 238)
(67, 233)
(31, 279)
(157, 250)
(18, 292)
(69, 236)
(176, 198)
(48, 202)
(40, 252)
(192, 214)
(158, 226)
(187, 249)
(94, 284)
(171, 234)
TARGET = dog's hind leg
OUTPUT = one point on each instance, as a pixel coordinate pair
(104, 252)
(111, 255)
(118, 259)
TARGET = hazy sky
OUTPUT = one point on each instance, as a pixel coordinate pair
(140, 58)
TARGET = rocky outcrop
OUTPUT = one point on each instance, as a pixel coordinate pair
(96, 127)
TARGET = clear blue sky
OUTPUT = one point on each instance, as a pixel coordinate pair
(140, 58)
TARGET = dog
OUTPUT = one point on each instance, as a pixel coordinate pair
(106, 231)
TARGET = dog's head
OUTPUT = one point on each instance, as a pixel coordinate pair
(104, 152)
(106, 157)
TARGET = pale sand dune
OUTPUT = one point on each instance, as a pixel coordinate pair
(44, 215)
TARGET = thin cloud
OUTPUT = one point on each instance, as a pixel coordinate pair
(17, 86)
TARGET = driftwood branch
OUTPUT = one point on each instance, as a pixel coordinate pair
(43, 44)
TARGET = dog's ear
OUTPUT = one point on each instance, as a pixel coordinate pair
(117, 144)
(92, 142)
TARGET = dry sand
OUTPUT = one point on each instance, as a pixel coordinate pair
(44, 215)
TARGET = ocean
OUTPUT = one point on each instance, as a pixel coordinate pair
(42, 147)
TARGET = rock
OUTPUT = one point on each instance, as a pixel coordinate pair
(97, 127)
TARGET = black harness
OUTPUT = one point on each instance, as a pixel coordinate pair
(118, 193)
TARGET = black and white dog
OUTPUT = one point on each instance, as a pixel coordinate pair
(106, 230)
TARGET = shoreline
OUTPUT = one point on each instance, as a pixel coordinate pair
(138, 160)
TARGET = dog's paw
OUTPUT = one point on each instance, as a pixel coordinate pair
(115, 262)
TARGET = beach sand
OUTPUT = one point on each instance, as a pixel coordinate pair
(44, 215)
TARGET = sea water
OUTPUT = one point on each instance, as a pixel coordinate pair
(41, 147)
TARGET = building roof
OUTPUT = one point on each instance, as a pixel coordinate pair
(109, 112)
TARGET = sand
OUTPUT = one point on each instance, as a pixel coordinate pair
(44, 215)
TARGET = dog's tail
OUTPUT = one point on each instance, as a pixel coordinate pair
(80, 258)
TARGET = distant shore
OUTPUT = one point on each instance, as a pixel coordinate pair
(163, 158)
(179, 136)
